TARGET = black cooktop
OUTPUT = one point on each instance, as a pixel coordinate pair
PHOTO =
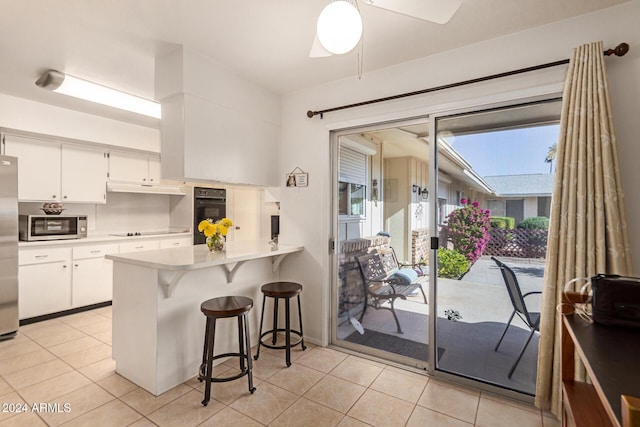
(145, 233)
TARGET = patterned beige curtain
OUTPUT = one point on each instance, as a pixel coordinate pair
(588, 225)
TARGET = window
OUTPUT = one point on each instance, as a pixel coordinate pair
(515, 209)
(497, 207)
(351, 199)
(442, 210)
(544, 206)
(352, 193)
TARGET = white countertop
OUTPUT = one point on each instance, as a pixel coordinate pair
(100, 238)
(198, 256)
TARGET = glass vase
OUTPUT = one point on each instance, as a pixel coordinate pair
(215, 243)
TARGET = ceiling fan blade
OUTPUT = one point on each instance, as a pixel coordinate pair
(438, 11)
(317, 50)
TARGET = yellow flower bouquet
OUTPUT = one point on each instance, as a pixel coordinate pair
(215, 232)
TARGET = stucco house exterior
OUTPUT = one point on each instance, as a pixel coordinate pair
(520, 196)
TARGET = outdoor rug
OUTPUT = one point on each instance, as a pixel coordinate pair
(392, 344)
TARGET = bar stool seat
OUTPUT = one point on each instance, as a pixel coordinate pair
(219, 308)
(277, 291)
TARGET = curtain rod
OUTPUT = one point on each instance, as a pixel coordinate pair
(620, 50)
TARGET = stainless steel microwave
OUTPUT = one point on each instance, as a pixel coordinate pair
(52, 227)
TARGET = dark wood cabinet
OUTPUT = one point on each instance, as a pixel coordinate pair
(611, 356)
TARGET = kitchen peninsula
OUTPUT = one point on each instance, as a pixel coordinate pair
(158, 329)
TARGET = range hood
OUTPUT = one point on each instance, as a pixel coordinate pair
(128, 187)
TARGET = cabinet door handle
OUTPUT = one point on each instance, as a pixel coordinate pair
(96, 252)
(64, 266)
(139, 247)
(176, 244)
(64, 197)
(75, 265)
(41, 256)
(53, 197)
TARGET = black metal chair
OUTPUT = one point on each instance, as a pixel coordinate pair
(385, 279)
(530, 318)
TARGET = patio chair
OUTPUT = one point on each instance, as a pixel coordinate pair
(531, 319)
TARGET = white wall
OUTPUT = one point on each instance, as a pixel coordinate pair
(31, 116)
(215, 125)
(123, 212)
(305, 214)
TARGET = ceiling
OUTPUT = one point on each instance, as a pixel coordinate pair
(114, 42)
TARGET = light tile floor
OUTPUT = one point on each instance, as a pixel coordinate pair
(67, 361)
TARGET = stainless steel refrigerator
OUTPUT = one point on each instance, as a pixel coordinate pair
(8, 247)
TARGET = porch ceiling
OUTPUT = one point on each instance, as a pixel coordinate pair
(413, 141)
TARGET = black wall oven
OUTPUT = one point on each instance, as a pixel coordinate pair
(209, 203)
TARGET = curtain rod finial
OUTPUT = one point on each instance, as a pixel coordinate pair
(620, 50)
(310, 114)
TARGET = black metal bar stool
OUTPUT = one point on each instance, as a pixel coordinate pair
(219, 308)
(277, 291)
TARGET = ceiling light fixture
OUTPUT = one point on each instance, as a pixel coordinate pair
(83, 89)
(339, 27)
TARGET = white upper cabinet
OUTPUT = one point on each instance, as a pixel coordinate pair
(154, 169)
(84, 174)
(134, 167)
(52, 171)
(38, 168)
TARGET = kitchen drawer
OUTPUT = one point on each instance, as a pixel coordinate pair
(177, 242)
(139, 246)
(94, 251)
(43, 255)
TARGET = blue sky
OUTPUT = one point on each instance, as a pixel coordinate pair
(509, 152)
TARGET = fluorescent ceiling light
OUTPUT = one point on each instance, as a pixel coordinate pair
(83, 89)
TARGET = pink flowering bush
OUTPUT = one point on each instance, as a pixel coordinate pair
(468, 230)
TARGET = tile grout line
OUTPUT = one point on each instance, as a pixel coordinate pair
(267, 380)
(73, 369)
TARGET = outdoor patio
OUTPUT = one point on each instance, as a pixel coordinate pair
(465, 346)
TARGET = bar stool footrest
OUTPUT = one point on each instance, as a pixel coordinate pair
(282, 347)
(202, 376)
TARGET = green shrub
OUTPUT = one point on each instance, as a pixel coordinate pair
(451, 263)
(534, 223)
(503, 222)
(497, 222)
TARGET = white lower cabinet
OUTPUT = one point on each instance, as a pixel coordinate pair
(92, 275)
(144, 245)
(44, 281)
(176, 243)
(53, 279)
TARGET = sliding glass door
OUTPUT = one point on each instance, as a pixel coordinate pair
(381, 226)
(460, 204)
(495, 172)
